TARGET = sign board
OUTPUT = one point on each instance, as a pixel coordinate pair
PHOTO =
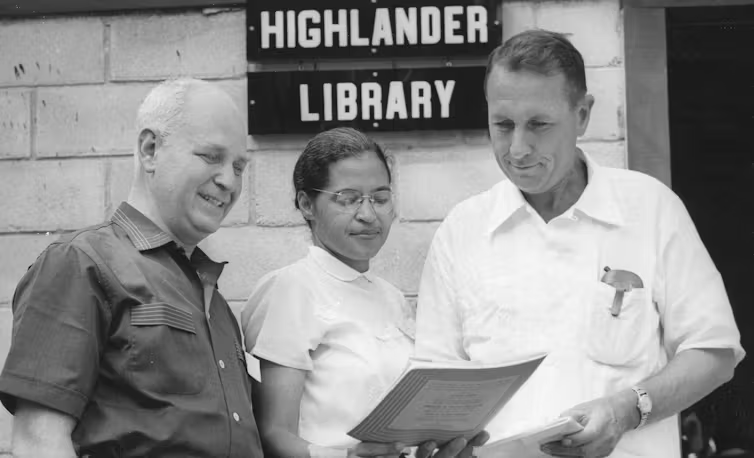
(304, 29)
(369, 100)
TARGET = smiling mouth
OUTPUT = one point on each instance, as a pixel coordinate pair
(366, 234)
(524, 167)
(216, 202)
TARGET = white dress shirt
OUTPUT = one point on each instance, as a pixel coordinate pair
(500, 283)
(351, 332)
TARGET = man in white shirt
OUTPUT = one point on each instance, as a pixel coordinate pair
(601, 268)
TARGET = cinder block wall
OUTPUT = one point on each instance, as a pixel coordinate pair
(70, 87)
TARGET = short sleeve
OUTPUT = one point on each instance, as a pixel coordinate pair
(439, 328)
(694, 305)
(279, 321)
(60, 321)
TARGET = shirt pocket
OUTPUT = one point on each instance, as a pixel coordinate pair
(166, 352)
(621, 340)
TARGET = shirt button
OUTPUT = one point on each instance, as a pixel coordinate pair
(236, 417)
(222, 364)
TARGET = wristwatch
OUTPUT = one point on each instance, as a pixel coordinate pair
(643, 403)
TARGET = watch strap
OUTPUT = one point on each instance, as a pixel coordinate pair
(643, 404)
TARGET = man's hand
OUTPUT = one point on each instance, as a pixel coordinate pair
(457, 448)
(605, 420)
(368, 449)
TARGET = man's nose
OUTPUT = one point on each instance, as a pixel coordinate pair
(226, 177)
(520, 146)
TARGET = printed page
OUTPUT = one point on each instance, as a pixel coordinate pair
(450, 405)
(526, 444)
(438, 401)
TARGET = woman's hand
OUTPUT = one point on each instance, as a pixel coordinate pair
(457, 448)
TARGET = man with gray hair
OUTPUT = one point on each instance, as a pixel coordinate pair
(122, 345)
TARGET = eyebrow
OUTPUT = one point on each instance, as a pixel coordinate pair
(379, 188)
(212, 146)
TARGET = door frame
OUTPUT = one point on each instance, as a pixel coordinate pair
(645, 48)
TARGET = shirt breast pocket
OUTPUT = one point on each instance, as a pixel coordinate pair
(166, 352)
(621, 340)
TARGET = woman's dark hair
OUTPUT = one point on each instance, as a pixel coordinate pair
(312, 168)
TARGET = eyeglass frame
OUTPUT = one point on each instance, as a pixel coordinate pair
(363, 197)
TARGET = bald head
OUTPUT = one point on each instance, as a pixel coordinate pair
(163, 110)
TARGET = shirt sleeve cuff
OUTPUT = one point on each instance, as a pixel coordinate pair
(14, 387)
(283, 361)
(738, 350)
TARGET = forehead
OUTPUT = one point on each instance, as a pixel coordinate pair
(213, 119)
(364, 171)
(526, 92)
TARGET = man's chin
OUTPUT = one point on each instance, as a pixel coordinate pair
(207, 226)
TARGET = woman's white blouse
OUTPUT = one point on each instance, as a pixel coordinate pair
(352, 332)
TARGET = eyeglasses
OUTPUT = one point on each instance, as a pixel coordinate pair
(350, 201)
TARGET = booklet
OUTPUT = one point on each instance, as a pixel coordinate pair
(526, 444)
(440, 401)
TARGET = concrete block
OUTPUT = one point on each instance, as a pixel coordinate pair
(401, 259)
(51, 195)
(120, 176)
(517, 17)
(272, 189)
(237, 89)
(15, 123)
(608, 154)
(252, 252)
(85, 120)
(120, 172)
(607, 85)
(431, 182)
(19, 252)
(593, 26)
(275, 143)
(153, 47)
(52, 51)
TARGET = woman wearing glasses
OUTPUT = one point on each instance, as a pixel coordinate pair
(331, 336)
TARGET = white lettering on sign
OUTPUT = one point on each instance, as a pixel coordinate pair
(340, 27)
(346, 96)
(420, 98)
(308, 37)
(444, 94)
(405, 26)
(369, 101)
(356, 40)
(476, 22)
(306, 115)
(430, 25)
(396, 101)
(399, 26)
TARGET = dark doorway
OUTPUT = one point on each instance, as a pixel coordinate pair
(711, 100)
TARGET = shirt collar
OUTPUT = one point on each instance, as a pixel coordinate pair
(597, 201)
(335, 267)
(143, 233)
(146, 235)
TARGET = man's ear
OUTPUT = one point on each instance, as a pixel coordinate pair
(584, 113)
(306, 205)
(147, 147)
